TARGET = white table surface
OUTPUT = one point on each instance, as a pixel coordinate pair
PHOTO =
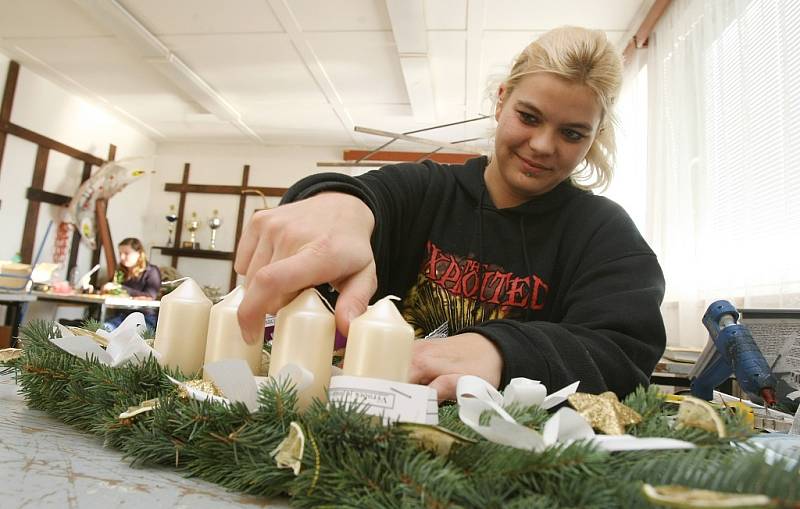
(127, 302)
(70, 298)
(45, 463)
(16, 297)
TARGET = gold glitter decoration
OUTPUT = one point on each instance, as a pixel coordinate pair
(206, 386)
(100, 340)
(144, 406)
(10, 354)
(604, 412)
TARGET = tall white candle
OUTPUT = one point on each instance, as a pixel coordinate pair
(304, 332)
(379, 343)
(182, 327)
(224, 340)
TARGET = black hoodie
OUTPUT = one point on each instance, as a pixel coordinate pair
(563, 284)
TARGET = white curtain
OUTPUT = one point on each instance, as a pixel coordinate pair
(628, 187)
(723, 186)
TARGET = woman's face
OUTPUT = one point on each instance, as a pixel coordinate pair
(545, 127)
(128, 257)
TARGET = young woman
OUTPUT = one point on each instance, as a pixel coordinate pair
(137, 277)
(534, 275)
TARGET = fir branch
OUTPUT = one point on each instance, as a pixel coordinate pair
(658, 417)
(352, 460)
(714, 468)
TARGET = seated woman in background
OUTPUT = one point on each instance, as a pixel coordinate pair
(136, 277)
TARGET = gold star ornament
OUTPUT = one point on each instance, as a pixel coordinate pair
(604, 412)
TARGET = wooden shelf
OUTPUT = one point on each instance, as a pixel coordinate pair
(196, 253)
(217, 189)
(184, 188)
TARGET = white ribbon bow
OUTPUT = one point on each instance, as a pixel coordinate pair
(125, 343)
(476, 396)
(235, 380)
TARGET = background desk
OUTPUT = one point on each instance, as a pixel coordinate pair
(14, 302)
(49, 464)
(98, 304)
(94, 303)
(126, 303)
(676, 374)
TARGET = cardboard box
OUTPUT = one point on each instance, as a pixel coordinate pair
(14, 276)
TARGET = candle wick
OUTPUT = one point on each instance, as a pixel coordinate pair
(324, 301)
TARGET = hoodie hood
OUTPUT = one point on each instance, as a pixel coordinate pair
(569, 292)
(472, 182)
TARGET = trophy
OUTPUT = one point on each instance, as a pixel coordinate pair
(172, 217)
(192, 226)
(214, 223)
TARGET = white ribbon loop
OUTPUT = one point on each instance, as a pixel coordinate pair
(125, 343)
(297, 375)
(525, 392)
(476, 396)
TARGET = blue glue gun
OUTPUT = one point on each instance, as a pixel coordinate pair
(731, 350)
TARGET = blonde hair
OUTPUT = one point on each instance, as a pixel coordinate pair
(141, 264)
(581, 56)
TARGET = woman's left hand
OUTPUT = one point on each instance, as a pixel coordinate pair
(439, 363)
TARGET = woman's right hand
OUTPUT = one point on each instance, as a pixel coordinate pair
(283, 251)
(108, 287)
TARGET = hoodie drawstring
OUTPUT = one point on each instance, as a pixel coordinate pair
(528, 272)
(523, 238)
(477, 304)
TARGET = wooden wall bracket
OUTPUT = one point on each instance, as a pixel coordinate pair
(35, 193)
(183, 188)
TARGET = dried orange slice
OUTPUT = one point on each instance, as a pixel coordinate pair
(683, 497)
(696, 413)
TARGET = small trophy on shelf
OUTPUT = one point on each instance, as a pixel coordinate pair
(214, 223)
(192, 226)
(172, 218)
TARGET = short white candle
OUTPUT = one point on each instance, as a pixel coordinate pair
(224, 340)
(379, 343)
(182, 327)
(304, 333)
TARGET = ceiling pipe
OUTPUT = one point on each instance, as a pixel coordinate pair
(126, 27)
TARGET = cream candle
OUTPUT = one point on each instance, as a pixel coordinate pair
(379, 343)
(224, 340)
(304, 331)
(182, 327)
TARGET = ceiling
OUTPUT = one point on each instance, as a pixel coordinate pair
(298, 72)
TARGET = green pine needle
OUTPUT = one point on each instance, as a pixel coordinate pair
(351, 459)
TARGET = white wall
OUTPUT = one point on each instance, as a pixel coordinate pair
(138, 210)
(220, 164)
(46, 108)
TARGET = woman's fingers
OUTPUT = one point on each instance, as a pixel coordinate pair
(276, 284)
(247, 244)
(318, 240)
(463, 354)
(262, 255)
(445, 386)
(354, 295)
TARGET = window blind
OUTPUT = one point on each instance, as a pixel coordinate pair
(750, 234)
